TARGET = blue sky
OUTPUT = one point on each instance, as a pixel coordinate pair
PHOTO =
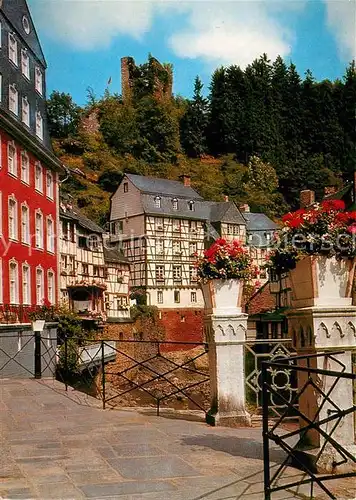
(83, 40)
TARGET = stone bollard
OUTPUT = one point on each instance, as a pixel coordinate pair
(226, 335)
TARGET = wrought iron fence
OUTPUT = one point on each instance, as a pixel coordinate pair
(139, 372)
(284, 379)
(326, 396)
(28, 354)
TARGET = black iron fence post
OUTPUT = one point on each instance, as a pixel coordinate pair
(38, 364)
(267, 479)
(103, 372)
(66, 361)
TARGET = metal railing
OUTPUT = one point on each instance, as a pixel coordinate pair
(314, 423)
(143, 372)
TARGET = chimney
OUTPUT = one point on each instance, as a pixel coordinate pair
(226, 198)
(185, 180)
(329, 190)
(245, 208)
(126, 63)
(307, 198)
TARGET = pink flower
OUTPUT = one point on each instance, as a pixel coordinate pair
(352, 229)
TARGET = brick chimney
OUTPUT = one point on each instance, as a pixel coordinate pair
(245, 208)
(126, 83)
(185, 180)
(307, 198)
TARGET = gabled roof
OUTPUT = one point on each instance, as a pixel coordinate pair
(114, 255)
(83, 221)
(164, 187)
(258, 222)
(14, 11)
(226, 212)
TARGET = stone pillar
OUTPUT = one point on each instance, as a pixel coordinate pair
(226, 335)
(318, 330)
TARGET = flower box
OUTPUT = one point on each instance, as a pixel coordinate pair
(222, 296)
(322, 281)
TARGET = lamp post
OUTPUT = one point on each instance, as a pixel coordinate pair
(37, 328)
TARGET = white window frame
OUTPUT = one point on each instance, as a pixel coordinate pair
(39, 286)
(193, 297)
(25, 224)
(25, 111)
(177, 273)
(26, 284)
(25, 167)
(38, 80)
(39, 125)
(160, 297)
(157, 202)
(39, 229)
(159, 275)
(51, 286)
(14, 291)
(39, 178)
(12, 158)
(13, 221)
(25, 63)
(13, 49)
(49, 185)
(50, 235)
(13, 99)
(175, 204)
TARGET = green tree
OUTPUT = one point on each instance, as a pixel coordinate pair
(63, 115)
(194, 123)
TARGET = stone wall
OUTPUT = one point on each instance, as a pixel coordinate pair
(17, 359)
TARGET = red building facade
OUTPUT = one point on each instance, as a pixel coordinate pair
(29, 172)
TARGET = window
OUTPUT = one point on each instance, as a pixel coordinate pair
(26, 284)
(193, 247)
(176, 247)
(13, 99)
(193, 297)
(38, 178)
(159, 297)
(83, 242)
(25, 63)
(13, 56)
(39, 230)
(126, 187)
(233, 229)
(50, 235)
(193, 274)
(157, 202)
(191, 206)
(39, 125)
(177, 273)
(12, 159)
(25, 167)
(160, 246)
(39, 286)
(116, 227)
(26, 25)
(25, 111)
(38, 80)
(193, 226)
(95, 271)
(93, 242)
(14, 282)
(176, 296)
(85, 269)
(175, 204)
(159, 224)
(51, 287)
(159, 273)
(13, 219)
(176, 225)
(25, 224)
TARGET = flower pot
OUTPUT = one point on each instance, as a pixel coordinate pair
(222, 297)
(38, 325)
(322, 281)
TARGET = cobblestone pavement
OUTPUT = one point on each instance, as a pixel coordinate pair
(58, 445)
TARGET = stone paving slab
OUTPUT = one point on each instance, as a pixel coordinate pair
(62, 445)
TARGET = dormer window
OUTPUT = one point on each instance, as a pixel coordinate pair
(157, 201)
(175, 204)
(13, 49)
(191, 205)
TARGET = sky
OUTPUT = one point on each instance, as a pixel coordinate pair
(83, 40)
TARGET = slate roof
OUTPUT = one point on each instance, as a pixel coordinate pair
(164, 187)
(114, 255)
(226, 212)
(258, 222)
(83, 221)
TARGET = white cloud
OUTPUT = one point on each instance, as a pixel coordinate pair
(217, 31)
(232, 32)
(341, 19)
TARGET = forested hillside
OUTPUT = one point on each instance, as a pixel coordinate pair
(262, 135)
